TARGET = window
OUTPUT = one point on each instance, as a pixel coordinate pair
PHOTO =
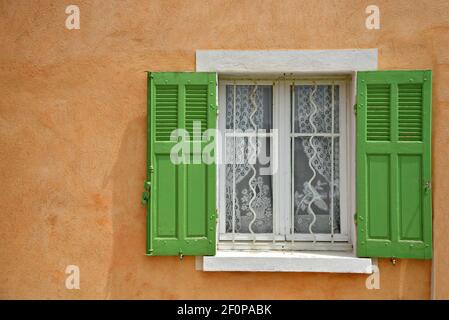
(265, 201)
(288, 179)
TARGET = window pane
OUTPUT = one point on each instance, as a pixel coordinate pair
(249, 194)
(247, 99)
(312, 185)
(313, 106)
(316, 159)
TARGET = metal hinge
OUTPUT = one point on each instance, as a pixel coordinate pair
(214, 107)
(427, 186)
(355, 109)
(146, 192)
(355, 218)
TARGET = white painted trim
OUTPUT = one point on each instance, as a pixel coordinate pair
(351, 129)
(286, 61)
(269, 245)
(281, 192)
(221, 161)
(271, 261)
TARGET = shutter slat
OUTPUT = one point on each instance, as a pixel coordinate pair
(166, 106)
(196, 109)
(378, 112)
(410, 107)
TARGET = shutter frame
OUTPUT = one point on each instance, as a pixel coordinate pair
(181, 214)
(394, 210)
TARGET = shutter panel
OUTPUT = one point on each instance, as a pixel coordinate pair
(394, 210)
(181, 217)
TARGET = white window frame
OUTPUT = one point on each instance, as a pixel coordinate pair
(221, 190)
(281, 238)
(346, 150)
(299, 62)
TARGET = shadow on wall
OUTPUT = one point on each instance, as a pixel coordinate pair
(131, 273)
(128, 215)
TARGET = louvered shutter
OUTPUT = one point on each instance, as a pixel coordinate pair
(181, 215)
(394, 214)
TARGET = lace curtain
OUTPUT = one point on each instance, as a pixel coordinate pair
(316, 166)
(249, 194)
(315, 169)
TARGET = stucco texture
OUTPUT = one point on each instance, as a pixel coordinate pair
(73, 130)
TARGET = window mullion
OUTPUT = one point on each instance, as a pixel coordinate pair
(284, 171)
(292, 165)
(233, 164)
(332, 165)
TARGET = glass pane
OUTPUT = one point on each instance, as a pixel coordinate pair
(249, 98)
(313, 183)
(249, 195)
(249, 185)
(313, 108)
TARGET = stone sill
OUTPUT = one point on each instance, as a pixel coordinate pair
(279, 261)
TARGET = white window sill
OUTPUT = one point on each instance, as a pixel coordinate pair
(278, 261)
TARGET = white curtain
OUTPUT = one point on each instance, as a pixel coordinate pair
(314, 110)
(248, 191)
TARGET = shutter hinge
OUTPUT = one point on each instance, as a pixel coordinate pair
(214, 107)
(151, 169)
(146, 192)
(355, 109)
(355, 218)
(427, 186)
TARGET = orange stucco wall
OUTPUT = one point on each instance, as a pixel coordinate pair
(72, 138)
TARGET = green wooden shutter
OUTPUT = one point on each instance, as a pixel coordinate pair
(181, 217)
(394, 209)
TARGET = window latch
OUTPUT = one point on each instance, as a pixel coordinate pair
(146, 192)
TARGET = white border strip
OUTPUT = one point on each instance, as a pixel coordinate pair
(286, 61)
(286, 262)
